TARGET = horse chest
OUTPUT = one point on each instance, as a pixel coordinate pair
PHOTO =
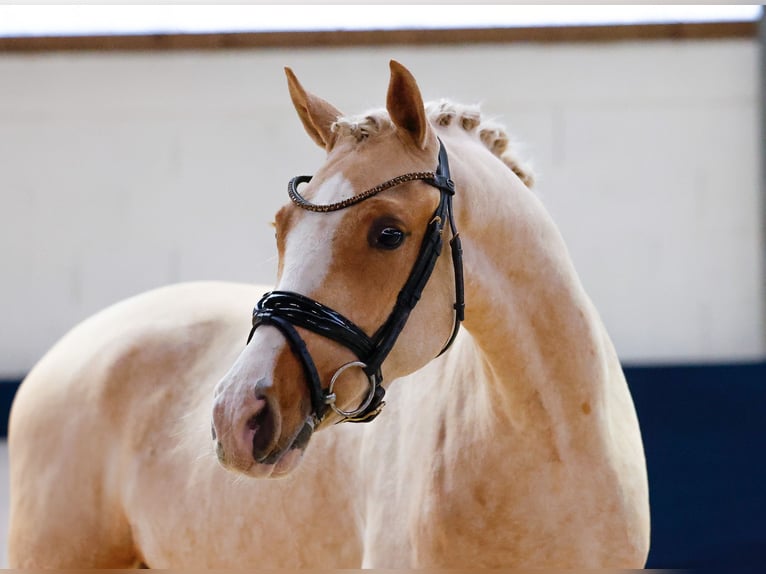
(468, 518)
(500, 507)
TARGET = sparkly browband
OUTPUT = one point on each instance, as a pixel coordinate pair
(302, 202)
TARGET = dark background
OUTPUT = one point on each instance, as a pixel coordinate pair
(704, 429)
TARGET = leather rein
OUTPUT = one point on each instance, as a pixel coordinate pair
(287, 310)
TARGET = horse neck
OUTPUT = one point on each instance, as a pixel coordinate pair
(541, 351)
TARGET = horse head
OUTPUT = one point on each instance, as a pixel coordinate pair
(365, 293)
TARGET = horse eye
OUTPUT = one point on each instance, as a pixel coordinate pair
(388, 238)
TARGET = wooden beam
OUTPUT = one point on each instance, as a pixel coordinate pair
(346, 39)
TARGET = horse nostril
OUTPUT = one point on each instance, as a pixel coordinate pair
(263, 426)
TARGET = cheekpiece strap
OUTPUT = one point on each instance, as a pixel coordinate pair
(442, 179)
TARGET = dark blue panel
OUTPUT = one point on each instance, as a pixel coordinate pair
(7, 392)
(704, 430)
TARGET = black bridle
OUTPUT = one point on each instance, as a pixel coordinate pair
(286, 310)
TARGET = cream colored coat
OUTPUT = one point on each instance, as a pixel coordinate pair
(518, 447)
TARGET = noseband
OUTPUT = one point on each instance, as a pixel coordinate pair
(286, 310)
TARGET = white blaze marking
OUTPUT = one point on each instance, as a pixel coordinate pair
(308, 252)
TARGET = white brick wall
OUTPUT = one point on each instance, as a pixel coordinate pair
(121, 172)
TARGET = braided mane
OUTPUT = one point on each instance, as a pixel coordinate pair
(445, 113)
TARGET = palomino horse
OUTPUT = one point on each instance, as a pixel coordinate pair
(518, 446)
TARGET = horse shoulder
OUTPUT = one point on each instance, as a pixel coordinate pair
(109, 389)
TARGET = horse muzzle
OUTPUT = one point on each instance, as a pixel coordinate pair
(250, 437)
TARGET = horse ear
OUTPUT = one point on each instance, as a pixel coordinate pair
(316, 114)
(405, 104)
